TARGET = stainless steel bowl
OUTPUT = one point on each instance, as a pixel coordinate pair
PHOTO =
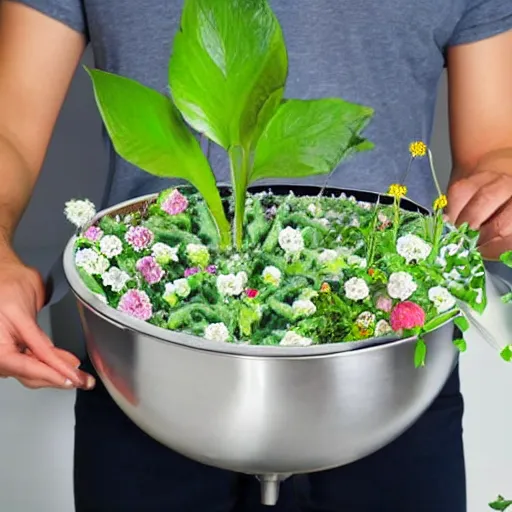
(266, 411)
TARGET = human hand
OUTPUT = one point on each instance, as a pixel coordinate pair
(26, 353)
(484, 201)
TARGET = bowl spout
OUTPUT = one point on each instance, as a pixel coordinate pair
(270, 484)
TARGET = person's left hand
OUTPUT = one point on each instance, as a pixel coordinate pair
(483, 199)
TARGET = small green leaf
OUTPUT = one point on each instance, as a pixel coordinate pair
(506, 258)
(461, 344)
(439, 320)
(90, 282)
(308, 137)
(507, 298)
(248, 317)
(147, 130)
(228, 68)
(462, 323)
(420, 353)
(506, 353)
(500, 504)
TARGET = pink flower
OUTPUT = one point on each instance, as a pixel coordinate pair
(211, 269)
(136, 303)
(175, 203)
(93, 233)
(139, 237)
(151, 271)
(251, 293)
(384, 303)
(191, 271)
(407, 315)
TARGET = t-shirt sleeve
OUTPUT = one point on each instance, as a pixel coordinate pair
(69, 12)
(481, 20)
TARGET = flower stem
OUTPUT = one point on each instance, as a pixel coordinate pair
(239, 159)
(433, 171)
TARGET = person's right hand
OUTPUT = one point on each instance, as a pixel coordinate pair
(26, 353)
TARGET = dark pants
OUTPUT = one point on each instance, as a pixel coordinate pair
(118, 468)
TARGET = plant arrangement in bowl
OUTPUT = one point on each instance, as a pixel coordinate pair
(255, 266)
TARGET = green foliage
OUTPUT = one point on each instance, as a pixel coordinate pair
(227, 76)
(308, 137)
(420, 353)
(500, 504)
(460, 344)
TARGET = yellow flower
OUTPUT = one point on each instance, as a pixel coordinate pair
(441, 202)
(417, 149)
(397, 191)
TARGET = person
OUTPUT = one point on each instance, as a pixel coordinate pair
(388, 55)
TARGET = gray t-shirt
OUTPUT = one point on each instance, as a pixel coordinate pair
(388, 54)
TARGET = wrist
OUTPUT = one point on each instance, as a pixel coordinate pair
(498, 161)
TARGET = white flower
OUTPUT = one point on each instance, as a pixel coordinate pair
(401, 285)
(164, 253)
(365, 320)
(356, 289)
(442, 299)
(324, 222)
(314, 210)
(198, 254)
(355, 222)
(413, 248)
(292, 339)
(327, 255)
(231, 284)
(382, 328)
(303, 307)
(115, 278)
(92, 262)
(111, 245)
(356, 261)
(365, 205)
(291, 240)
(216, 332)
(271, 275)
(79, 212)
(170, 289)
(181, 288)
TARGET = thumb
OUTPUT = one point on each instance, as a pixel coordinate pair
(461, 192)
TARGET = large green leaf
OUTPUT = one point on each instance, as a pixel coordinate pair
(228, 68)
(308, 137)
(147, 130)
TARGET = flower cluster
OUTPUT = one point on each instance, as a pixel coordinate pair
(297, 282)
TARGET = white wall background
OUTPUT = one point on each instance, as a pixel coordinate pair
(36, 428)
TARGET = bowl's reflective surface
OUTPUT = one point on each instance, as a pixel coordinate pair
(267, 415)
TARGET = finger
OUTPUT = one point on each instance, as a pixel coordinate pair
(42, 347)
(498, 227)
(485, 203)
(40, 384)
(63, 354)
(89, 380)
(20, 366)
(461, 192)
(493, 249)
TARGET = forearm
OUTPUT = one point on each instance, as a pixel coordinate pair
(17, 183)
